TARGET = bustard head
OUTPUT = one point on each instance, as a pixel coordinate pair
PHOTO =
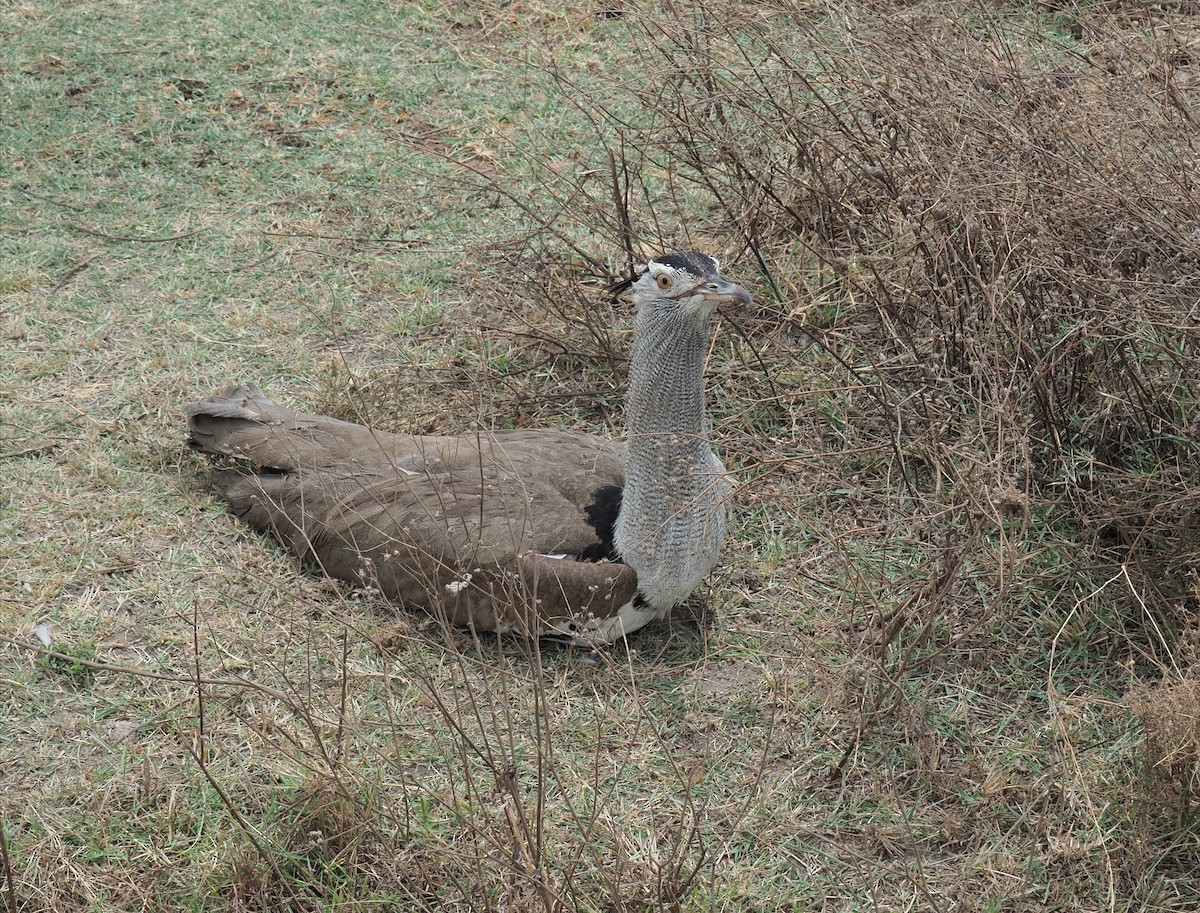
(683, 285)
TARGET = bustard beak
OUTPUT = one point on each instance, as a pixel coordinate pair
(716, 292)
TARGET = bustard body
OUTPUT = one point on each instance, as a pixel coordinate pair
(544, 532)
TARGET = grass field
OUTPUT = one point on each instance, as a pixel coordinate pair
(949, 661)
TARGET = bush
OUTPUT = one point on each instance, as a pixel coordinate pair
(994, 240)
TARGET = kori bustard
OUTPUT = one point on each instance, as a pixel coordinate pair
(537, 531)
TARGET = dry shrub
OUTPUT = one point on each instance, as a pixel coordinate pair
(988, 232)
(1015, 236)
(496, 818)
(327, 820)
(1170, 718)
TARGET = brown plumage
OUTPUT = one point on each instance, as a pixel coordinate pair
(503, 530)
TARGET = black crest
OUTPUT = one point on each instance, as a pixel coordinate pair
(694, 262)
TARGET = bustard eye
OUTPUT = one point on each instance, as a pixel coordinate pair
(664, 282)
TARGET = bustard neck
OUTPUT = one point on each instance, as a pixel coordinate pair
(666, 382)
(672, 518)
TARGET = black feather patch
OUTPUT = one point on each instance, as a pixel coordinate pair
(602, 516)
(694, 262)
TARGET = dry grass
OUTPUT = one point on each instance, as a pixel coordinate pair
(949, 660)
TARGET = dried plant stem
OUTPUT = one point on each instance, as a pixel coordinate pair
(9, 882)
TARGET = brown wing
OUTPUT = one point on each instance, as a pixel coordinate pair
(458, 526)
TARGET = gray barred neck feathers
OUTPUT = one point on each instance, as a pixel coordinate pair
(666, 382)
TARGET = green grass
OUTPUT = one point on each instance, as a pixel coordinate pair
(305, 195)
